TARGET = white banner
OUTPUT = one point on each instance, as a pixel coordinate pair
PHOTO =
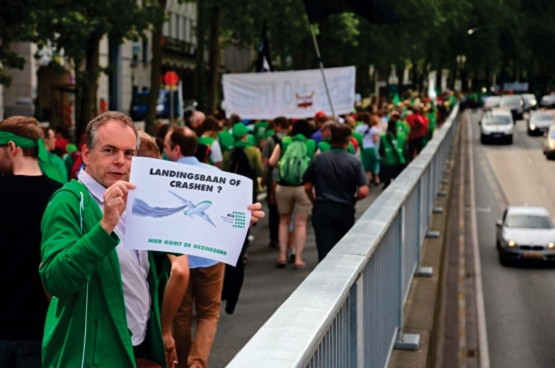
(297, 94)
(185, 209)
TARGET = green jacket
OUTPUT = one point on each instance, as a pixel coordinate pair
(86, 323)
(397, 143)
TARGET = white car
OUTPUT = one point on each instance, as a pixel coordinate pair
(492, 102)
(540, 122)
(497, 125)
(525, 233)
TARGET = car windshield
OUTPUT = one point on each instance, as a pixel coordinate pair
(542, 117)
(497, 120)
(528, 222)
(510, 101)
(553, 134)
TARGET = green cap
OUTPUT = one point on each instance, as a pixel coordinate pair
(71, 148)
(239, 131)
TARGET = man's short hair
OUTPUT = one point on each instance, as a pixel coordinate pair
(94, 124)
(186, 139)
(24, 127)
(340, 134)
(328, 124)
(282, 122)
(148, 146)
(364, 117)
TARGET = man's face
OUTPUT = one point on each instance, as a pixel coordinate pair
(110, 158)
(50, 141)
(173, 153)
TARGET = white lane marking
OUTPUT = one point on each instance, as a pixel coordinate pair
(461, 284)
(480, 308)
(483, 209)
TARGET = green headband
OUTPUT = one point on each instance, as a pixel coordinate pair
(44, 161)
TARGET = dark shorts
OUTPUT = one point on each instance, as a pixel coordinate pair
(416, 144)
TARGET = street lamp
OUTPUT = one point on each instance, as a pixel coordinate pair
(461, 59)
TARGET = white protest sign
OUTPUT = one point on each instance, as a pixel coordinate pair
(179, 208)
(296, 94)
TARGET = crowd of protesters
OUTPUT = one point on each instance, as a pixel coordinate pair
(95, 302)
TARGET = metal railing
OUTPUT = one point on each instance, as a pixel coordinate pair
(349, 310)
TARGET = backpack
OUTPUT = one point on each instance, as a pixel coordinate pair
(240, 164)
(293, 163)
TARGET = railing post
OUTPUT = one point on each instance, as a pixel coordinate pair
(356, 326)
(404, 341)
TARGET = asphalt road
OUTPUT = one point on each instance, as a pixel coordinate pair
(519, 300)
(265, 288)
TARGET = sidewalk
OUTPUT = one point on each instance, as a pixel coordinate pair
(265, 288)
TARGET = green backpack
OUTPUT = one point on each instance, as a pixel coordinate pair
(294, 162)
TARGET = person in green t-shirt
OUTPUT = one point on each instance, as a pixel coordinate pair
(55, 160)
(392, 151)
(208, 133)
(260, 131)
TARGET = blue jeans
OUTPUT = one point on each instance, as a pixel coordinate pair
(20, 353)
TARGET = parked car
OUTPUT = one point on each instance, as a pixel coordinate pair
(140, 105)
(549, 143)
(540, 122)
(525, 233)
(515, 104)
(496, 125)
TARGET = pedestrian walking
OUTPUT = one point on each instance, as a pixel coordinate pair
(392, 151)
(339, 181)
(206, 278)
(370, 143)
(294, 155)
(24, 195)
(280, 127)
(208, 135)
(243, 159)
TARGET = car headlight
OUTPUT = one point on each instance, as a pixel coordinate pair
(552, 145)
(551, 245)
(533, 102)
(159, 108)
(511, 244)
(532, 127)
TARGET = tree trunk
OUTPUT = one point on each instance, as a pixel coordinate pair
(200, 72)
(214, 59)
(89, 84)
(155, 69)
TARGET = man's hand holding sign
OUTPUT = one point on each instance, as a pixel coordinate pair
(175, 209)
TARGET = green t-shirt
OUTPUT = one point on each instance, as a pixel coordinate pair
(226, 140)
(260, 131)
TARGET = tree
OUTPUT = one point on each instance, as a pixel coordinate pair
(77, 27)
(17, 24)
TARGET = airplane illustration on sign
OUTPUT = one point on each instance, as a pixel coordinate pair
(196, 209)
(141, 208)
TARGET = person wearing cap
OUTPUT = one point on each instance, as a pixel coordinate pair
(319, 119)
(241, 141)
(50, 145)
(24, 195)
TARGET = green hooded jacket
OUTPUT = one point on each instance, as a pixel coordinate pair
(86, 323)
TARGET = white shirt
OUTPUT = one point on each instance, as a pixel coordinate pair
(134, 267)
(368, 132)
(216, 151)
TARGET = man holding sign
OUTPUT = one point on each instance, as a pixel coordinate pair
(104, 311)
